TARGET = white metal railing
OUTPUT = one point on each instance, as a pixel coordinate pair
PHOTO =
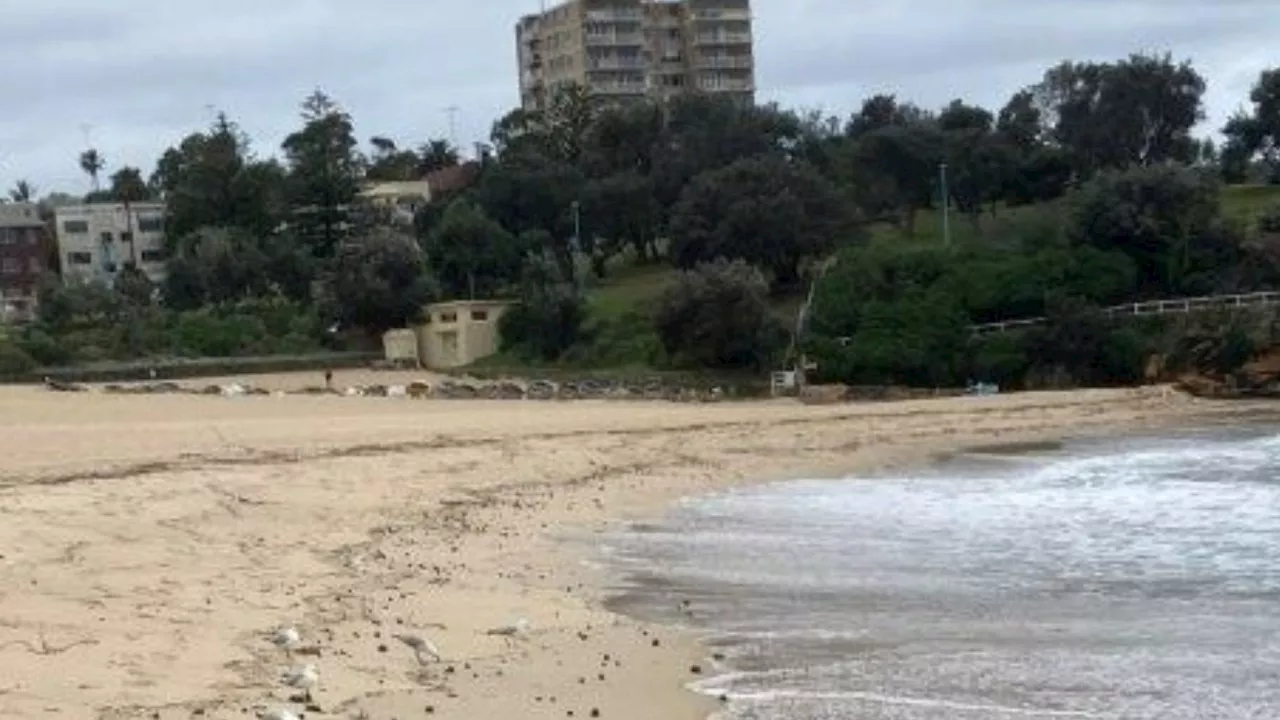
(1176, 306)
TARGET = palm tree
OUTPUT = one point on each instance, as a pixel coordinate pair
(92, 163)
(436, 155)
(128, 187)
(23, 192)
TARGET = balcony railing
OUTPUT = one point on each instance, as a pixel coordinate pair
(713, 62)
(615, 15)
(734, 14)
(724, 38)
(608, 88)
(616, 64)
(614, 39)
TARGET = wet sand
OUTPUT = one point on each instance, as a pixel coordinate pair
(149, 544)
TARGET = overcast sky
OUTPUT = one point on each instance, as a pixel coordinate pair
(137, 75)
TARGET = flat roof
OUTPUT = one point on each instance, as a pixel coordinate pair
(462, 304)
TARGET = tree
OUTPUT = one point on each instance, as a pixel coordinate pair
(92, 163)
(134, 286)
(1167, 219)
(437, 155)
(717, 316)
(979, 162)
(884, 111)
(1020, 123)
(471, 254)
(380, 281)
(212, 179)
(325, 168)
(215, 265)
(618, 211)
(1255, 134)
(389, 162)
(1137, 111)
(23, 191)
(529, 192)
(893, 170)
(550, 315)
(767, 211)
(128, 187)
(708, 132)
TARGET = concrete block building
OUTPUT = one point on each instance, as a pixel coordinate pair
(98, 240)
(630, 49)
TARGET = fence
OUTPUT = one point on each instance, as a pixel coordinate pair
(1177, 306)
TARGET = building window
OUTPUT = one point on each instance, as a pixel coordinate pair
(75, 227)
(109, 267)
(7, 236)
(449, 317)
(480, 315)
(152, 256)
(150, 224)
(11, 266)
(126, 237)
(79, 258)
(106, 237)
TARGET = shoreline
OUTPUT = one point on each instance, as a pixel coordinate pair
(155, 556)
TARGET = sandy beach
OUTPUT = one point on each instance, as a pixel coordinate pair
(149, 545)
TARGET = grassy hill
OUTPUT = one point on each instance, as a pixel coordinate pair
(630, 289)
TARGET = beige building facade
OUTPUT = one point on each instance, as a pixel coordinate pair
(631, 49)
(98, 240)
(453, 335)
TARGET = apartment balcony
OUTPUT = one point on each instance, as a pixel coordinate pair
(738, 14)
(725, 85)
(725, 63)
(604, 87)
(723, 38)
(615, 15)
(616, 64)
(616, 40)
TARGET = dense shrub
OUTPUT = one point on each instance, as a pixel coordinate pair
(13, 360)
(717, 316)
(549, 317)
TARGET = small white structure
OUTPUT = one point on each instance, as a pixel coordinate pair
(459, 333)
(401, 346)
(783, 382)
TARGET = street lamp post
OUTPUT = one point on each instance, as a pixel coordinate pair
(946, 206)
(576, 207)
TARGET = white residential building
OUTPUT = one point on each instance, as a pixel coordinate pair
(97, 241)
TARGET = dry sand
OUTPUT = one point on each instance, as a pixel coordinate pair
(148, 544)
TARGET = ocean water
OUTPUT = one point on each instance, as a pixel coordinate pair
(1135, 579)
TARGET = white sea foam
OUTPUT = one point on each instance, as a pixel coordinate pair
(1133, 581)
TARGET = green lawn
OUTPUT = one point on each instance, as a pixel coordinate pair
(1248, 202)
(929, 226)
(628, 289)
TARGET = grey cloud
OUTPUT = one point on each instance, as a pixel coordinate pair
(143, 72)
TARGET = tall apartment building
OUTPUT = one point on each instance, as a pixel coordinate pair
(22, 259)
(627, 49)
(98, 240)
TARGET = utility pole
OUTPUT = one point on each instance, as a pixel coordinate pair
(576, 207)
(946, 207)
